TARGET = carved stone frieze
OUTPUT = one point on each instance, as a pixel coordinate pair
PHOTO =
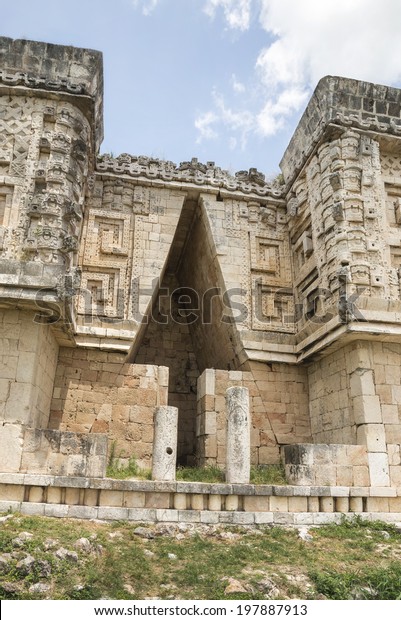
(191, 172)
(20, 78)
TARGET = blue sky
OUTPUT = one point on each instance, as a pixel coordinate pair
(221, 80)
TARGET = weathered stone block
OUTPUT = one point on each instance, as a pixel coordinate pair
(11, 492)
(214, 502)
(54, 495)
(372, 436)
(379, 469)
(180, 501)
(327, 504)
(56, 510)
(377, 504)
(231, 502)
(110, 498)
(362, 383)
(119, 514)
(356, 504)
(297, 504)
(209, 517)
(11, 441)
(367, 409)
(278, 504)
(157, 500)
(198, 501)
(72, 496)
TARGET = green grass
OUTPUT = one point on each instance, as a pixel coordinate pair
(268, 474)
(209, 473)
(120, 468)
(130, 470)
(355, 559)
(260, 474)
(382, 583)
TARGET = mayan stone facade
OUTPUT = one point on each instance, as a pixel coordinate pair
(130, 284)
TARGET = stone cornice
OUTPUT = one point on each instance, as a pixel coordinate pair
(194, 172)
(20, 78)
(342, 103)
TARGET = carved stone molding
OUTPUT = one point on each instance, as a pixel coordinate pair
(189, 172)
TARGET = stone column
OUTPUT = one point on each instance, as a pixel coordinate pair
(238, 454)
(165, 443)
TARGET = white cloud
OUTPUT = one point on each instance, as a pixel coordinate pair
(305, 40)
(354, 38)
(272, 116)
(237, 13)
(239, 121)
(148, 6)
(238, 87)
(204, 124)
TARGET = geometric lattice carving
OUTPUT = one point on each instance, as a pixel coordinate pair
(105, 263)
(108, 236)
(393, 204)
(111, 236)
(6, 197)
(101, 294)
(266, 255)
(15, 127)
(273, 307)
(270, 255)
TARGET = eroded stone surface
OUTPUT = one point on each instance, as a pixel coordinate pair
(165, 443)
(238, 459)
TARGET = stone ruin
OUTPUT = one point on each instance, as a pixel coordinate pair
(133, 288)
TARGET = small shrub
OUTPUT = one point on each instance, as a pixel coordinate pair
(131, 469)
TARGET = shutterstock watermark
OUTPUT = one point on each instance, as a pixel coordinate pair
(263, 305)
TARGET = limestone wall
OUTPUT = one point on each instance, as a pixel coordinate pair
(278, 405)
(51, 452)
(248, 242)
(128, 230)
(215, 339)
(355, 398)
(28, 359)
(46, 67)
(330, 406)
(343, 102)
(322, 464)
(97, 392)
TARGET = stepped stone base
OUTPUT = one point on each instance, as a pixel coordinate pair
(194, 502)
